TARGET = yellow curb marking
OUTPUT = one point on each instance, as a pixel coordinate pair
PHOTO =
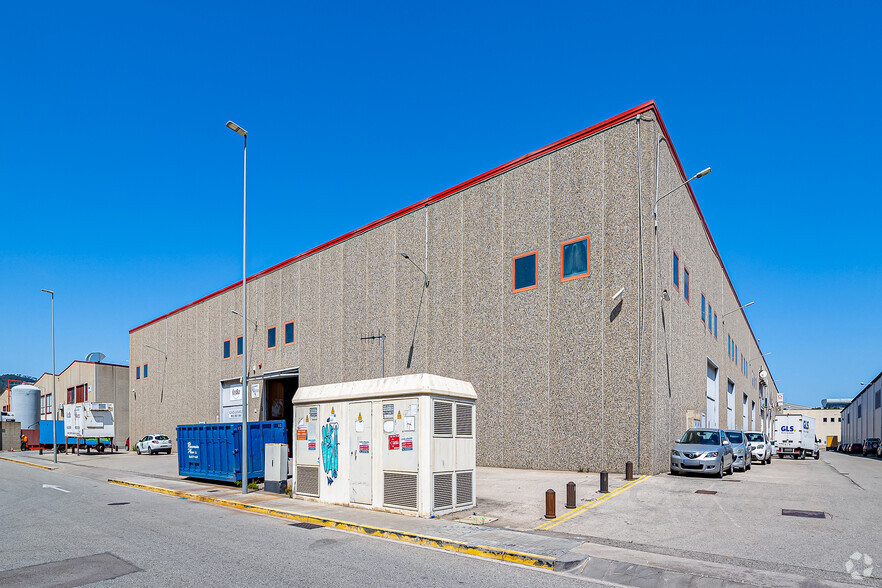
(507, 555)
(33, 465)
(589, 505)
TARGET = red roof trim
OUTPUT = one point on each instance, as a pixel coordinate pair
(458, 188)
(611, 122)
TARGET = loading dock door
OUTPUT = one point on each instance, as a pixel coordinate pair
(360, 452)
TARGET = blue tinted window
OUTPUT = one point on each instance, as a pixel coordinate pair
(271, 337)
(685, 283)
(289, 333)
(145, 370)
(574, 259)
(676, 271)
(710, 322)
(525, 272)
(715, 326)
(702, 308)
(138, 372)
(227, 349)
(239, 346)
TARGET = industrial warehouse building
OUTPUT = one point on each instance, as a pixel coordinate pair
(591, 337)
(862, 418)
(89, 381)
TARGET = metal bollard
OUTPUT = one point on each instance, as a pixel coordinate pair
(604, 482)
(549, 504)
(571, 495)
(629, 470)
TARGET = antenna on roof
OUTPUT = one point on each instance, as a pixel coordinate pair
(95, 356)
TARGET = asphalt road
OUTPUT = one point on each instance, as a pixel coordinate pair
(115, 536)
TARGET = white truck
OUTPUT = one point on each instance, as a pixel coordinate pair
(91, 423)
(795, 436)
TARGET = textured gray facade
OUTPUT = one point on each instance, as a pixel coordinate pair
(555, 368)
(862, 418)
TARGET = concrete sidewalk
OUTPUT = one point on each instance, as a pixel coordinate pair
(511, 505)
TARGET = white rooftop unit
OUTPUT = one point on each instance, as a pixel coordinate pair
(403, 444)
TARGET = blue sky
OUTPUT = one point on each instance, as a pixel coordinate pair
(122, 187)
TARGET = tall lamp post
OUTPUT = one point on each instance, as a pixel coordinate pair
(234, 127)
(54, 409)
(665, 295)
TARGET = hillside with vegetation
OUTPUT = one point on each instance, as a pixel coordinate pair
(4, 380)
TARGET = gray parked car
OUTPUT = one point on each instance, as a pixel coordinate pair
(761, 449)
(740, 448)
(706, 451)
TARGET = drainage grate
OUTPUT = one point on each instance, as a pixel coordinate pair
(810, 514)
(705, 491)
(212, 490)
(309, 526)
(731, 480)
(117, 503)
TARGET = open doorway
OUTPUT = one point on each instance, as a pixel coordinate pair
(279, 392)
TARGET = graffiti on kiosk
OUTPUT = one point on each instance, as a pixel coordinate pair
(330, 449)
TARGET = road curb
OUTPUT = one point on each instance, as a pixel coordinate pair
(33, 465)
(507, 555)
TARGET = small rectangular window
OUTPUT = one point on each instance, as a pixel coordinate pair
(710, 322)
(524, 271)
(575, 258)
(227, 349)
(702, 308)
(239, 346)
(825, 419)
(145, 371)
(729, 345)
(137, 376)
(289, 333)
(686, 283)
(859, 410)
(676, 271)
(70, 391)
(715, 325)
(271, 338)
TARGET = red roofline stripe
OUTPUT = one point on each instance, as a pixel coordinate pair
(458, 188)
(602, 126)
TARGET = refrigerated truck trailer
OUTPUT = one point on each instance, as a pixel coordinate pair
(89, 424)
(795, 436)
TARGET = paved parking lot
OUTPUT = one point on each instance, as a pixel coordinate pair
(743, 520)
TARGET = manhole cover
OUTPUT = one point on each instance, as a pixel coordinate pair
(810, 514)
(705, 491)
(309, 526)
(117, 503)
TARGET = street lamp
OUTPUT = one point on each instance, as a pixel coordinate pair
(665, 296)
(236, 128)
(735, 310)
(700, 174)
(54, 409)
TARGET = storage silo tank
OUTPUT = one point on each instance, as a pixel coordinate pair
(24, 402)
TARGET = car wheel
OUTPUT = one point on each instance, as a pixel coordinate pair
(747, 467)
(149, 451)
(138, 449)
(168, 452)
(732, 468)
(817, 455)
(722, 472)
(674, 472)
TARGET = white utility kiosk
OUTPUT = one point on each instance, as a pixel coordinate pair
(403, 444)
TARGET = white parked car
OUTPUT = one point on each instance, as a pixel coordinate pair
(151, 444)
(761, 448)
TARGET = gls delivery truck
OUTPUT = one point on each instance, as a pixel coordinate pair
(795, 436)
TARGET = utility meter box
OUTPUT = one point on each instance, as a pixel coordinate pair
(275, 471)
(403, 444)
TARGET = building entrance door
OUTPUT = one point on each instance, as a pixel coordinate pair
(360, 452)
(713, 390)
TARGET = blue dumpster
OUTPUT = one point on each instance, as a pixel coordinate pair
(212, 451)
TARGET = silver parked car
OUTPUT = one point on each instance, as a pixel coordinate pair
(706, 451)
(154, 444)
(760, 447)
(740, 448)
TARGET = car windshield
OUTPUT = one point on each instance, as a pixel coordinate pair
(161, 437)
(755, 437)
(700, 438)
(735, 436)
